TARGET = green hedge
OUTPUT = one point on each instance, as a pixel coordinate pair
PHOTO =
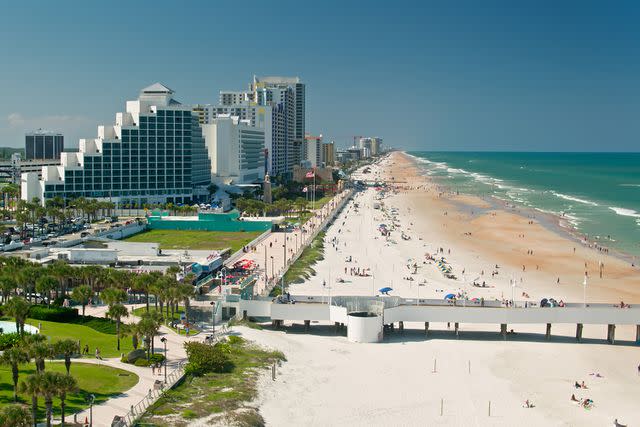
(53, 314)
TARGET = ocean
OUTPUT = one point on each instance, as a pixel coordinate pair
(598, 194)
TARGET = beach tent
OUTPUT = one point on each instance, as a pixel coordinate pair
(449, 296)
(385, 290)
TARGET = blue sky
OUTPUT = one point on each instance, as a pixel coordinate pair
(465, 75)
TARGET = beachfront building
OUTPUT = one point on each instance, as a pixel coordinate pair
(236, 150)
(42, 145)
(312, 151)
(328, 154)
(289, 94)
(154, 153)
(370, 146)
(258, 116)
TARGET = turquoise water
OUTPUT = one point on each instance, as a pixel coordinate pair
(597, 193)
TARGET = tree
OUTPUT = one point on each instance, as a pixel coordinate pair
(15, 416)
(13, 357)
(7, 284)
(148, 327)
(65, 384)
(18, 308)
(113, 296)
(116, 312)
(32, 385)
(66, 348)
(83, 295)
(144, 283)
(49, 388)
(44, 285)
(38, 349)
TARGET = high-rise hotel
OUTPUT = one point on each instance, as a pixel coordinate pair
(154, 153)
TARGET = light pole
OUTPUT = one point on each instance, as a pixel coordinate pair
(513, 290)
(273, 271)
(266, 274)
(91, 399)
(584, 292)
(164, 341)
(213, 318)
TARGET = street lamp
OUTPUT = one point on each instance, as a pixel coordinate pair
(91, 398)
(584, 292)
(213, 318)
(273, 270)
(164, 341)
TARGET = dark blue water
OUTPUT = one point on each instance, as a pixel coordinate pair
(598, 193)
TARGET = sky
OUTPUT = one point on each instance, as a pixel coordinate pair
(463, 75)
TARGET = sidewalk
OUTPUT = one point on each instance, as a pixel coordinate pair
(103, 414)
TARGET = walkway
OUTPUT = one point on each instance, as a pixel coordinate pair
(103, 414)
(272, 257)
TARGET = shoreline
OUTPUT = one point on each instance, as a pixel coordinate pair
(557, 223)
(515, 237)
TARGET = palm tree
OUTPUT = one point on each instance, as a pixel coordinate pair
(49, 389)
(32, 386)
(38, 349)
(18, 308)
(44, 285)
(66, 348)
(113, 296)
(116, 312)
(65, 384)
(148, 327)
(7, 284)
(83, 295)
(186, 291)
(27, 276)
(13, 357)
(15, 416)
(143, 283)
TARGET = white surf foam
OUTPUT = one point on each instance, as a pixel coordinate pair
(625, 212)
(574, 199)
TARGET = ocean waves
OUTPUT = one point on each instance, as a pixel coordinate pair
(574, 199)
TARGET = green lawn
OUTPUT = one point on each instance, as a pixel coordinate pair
(302, 269)
(101, 381)
(214, 393)
(86, 335)
(188, 239)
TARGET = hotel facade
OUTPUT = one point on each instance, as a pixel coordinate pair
(154, 153)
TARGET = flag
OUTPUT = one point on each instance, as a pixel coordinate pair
(305, 189)
(309, 174)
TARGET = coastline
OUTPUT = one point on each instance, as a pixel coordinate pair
(325, 373)
(554, 221)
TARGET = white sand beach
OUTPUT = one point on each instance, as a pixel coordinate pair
(330, 381)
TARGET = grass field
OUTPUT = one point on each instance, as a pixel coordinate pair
(86, 335)
(187, 239)
(302, 269)
(101, 381)
(225, 394)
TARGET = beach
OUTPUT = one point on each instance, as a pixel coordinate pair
(508, 254)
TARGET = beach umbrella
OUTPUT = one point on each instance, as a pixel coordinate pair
(385, 290)
(449, 296)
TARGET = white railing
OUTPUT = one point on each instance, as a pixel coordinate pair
(137, 410)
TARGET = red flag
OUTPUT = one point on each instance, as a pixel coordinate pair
(309, 174)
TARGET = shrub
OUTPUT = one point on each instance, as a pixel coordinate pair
(143, 362)
(156, 358)
(135, 355)
(204, 358)
(53, 314)
(235, 340)
(9, 340)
